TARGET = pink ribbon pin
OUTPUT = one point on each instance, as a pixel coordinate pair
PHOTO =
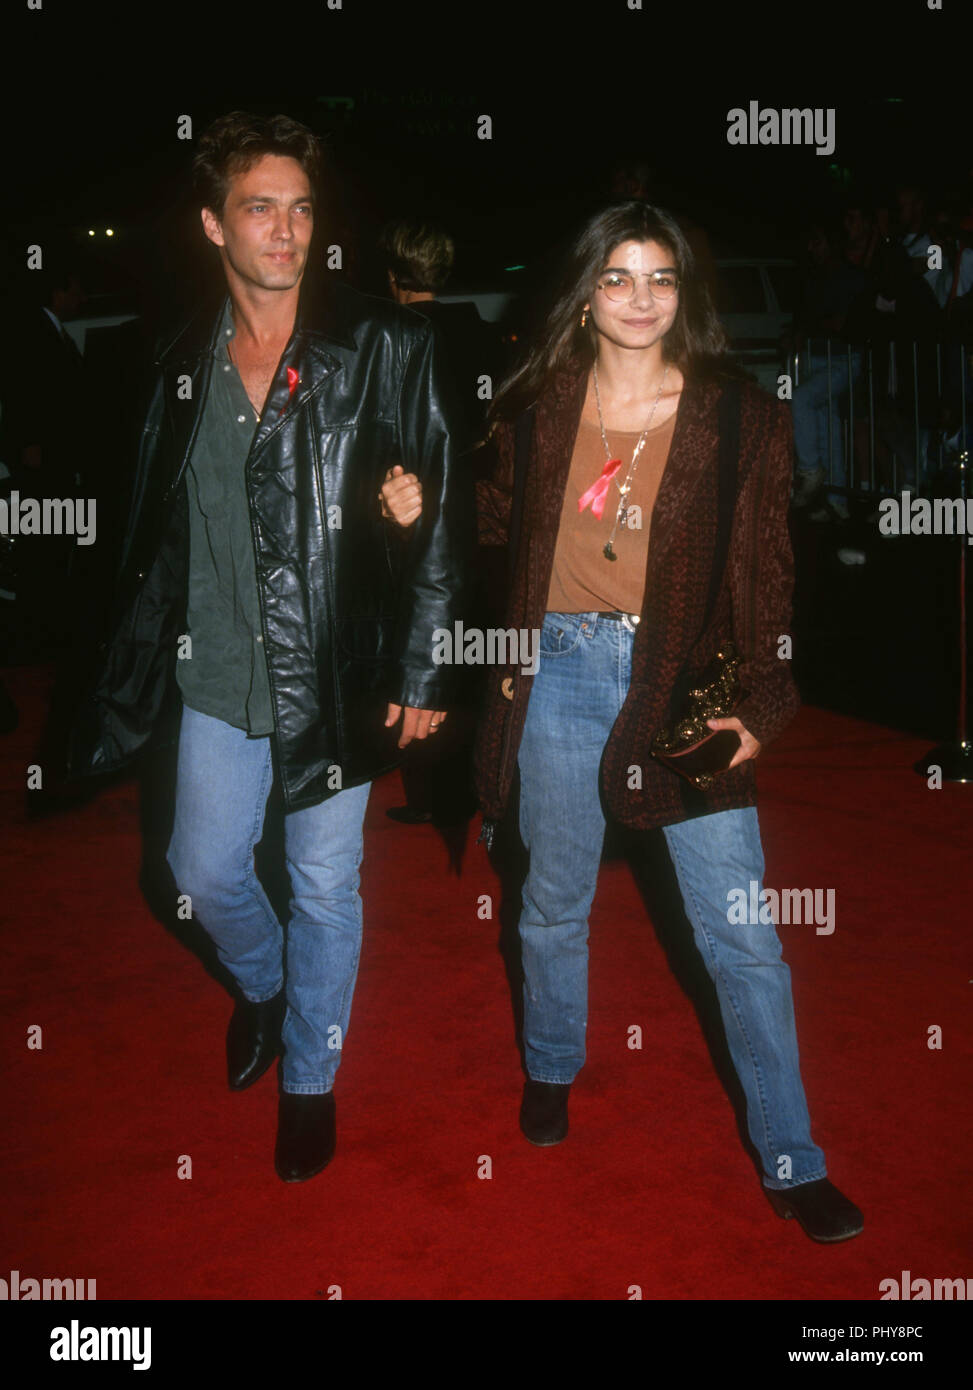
(598, 491)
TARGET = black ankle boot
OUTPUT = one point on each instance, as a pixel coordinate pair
(824, 1212)
(253, 1040)
(306, 1135)
(544, 1112)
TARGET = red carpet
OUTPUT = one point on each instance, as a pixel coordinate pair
(652, 1188)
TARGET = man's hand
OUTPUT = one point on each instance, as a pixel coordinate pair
(416, 723)
(749, 746)
(401, 496)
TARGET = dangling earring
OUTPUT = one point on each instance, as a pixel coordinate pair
(584, 317)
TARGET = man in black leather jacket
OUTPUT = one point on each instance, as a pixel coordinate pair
(265, 603)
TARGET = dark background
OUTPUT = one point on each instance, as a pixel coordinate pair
(408, 144)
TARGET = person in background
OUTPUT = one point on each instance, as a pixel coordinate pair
(437, 777)
(897, 315)
(831, 285)
(47, 440)
(419, 259)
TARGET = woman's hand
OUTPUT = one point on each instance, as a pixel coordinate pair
(401, 496)
(749, 746)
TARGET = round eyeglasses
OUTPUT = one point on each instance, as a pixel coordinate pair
(619, 284)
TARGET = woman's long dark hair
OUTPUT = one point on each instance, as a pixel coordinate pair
(695, 343)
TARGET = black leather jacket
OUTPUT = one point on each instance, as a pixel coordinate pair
(348, 602)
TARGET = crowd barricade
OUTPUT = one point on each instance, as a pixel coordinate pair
(901, 410)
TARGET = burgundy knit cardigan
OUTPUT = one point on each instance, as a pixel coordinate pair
(671, 642)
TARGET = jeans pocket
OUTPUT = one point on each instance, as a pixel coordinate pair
(561, 633)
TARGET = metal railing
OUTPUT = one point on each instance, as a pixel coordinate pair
(889, 386)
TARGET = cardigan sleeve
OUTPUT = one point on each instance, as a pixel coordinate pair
(494, 494)
(762, 579)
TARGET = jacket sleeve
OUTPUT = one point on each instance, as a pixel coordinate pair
(146, 446)
(762, 580)
(494, 494)
(436, 569)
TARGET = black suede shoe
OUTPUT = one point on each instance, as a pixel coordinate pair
(544, 1112)
(824, 1212)
(253, 1040)
(306, 1135)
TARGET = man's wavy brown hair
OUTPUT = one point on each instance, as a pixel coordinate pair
(235, 142)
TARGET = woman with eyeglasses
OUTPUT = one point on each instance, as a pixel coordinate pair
(641, 489)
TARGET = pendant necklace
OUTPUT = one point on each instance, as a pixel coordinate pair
(625, 487)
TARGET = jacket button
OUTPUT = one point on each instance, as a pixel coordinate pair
(507, 687)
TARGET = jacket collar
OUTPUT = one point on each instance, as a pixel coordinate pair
(325, 314)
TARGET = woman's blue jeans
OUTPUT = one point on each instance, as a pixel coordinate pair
(223, 781)
(585, 669)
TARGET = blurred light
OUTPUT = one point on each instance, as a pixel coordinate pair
(514, 267)
(91, 231)
(109, 231)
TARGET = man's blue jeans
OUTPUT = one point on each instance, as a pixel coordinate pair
(223, 781)
(585, 669)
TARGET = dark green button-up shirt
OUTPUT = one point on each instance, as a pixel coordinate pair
(226, 675)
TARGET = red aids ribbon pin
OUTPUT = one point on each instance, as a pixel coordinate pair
(598, 491)
(292, 382)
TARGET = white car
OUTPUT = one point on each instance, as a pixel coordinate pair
(755, 301)
(100, 311)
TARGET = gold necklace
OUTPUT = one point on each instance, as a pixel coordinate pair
(626, 487)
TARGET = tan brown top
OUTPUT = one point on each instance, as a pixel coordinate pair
(583, 580)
